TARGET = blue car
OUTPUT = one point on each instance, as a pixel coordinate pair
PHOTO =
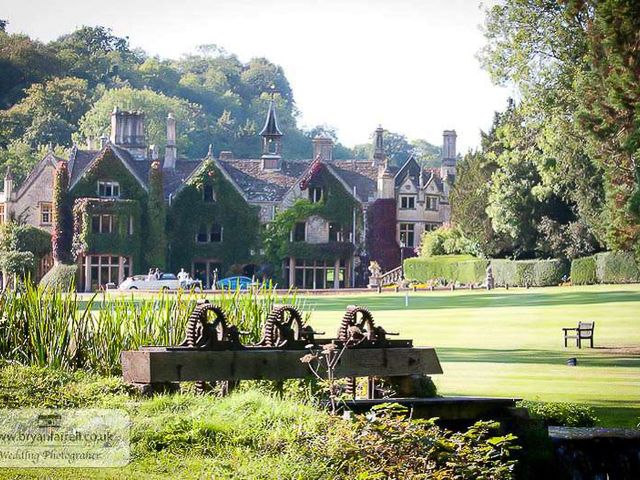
(233, 283)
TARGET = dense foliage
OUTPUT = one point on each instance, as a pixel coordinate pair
(62, 235)
(155, 251)
(20, 247)
(561, 414)
(446, 241)
(190, 213)
(562, 162)
(583, 271)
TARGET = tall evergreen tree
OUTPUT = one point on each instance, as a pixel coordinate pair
(62, 234)
(155, 237)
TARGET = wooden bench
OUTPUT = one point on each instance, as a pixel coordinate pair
(583, 332)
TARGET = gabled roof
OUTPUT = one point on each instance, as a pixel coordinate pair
(48, 160)
(81, 160)
(363, 175)
(263, 185)
(271, 123)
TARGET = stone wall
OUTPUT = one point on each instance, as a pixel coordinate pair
(27, 206)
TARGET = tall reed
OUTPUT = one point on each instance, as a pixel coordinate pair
(53, 328)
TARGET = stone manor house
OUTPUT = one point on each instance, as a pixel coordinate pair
(223, 213)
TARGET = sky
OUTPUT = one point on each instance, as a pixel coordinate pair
(408, 65)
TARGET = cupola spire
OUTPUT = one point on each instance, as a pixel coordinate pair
(271, 141)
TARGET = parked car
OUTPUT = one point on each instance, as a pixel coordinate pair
(167, 281)
(233, 283)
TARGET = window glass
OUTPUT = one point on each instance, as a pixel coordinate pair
(407, 234)
(208, 194)
(201, 235)
(408, 202)
(316, 194)
(46, 213)
(299, 232)
(216, 233)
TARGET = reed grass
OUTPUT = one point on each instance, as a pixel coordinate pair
(52, 328)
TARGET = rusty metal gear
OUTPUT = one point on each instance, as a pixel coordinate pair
(201, 333)
(354, 330)
(283, 326)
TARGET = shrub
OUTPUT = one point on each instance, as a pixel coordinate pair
(451, 268)
(561, 414)
(617, 267)
(446, 241)
(533, 273)
(388, 444)
(583, 271)
(60, 276)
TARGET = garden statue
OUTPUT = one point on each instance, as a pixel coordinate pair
(376, 275)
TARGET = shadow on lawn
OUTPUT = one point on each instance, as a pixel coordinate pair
(494, 299)
(585, 359)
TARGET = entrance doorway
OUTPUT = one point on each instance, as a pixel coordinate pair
(207, 271)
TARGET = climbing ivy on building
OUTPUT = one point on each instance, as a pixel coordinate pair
(132, 203)
(337, 206)
(125, 238)
(62, 231)
(190, 212)
(155, 251)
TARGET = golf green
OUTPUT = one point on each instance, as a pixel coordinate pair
(510, 344)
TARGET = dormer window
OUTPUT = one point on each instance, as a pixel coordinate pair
(431, 203)
(316, 194)
(208, 195)
(407, 202)
(108, 189)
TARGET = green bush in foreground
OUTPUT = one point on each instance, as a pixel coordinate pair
(450, 268)
(561, 414)
(253, 434)
(583, 271)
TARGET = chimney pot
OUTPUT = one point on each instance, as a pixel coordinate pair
(323, 148)
(226, 155)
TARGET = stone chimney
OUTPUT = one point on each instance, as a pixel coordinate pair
(170, 152)
(378, 146)
(226, 155)
(127, 131)
(8, 184)
(448, 166)
(323, 148)
(386, 181)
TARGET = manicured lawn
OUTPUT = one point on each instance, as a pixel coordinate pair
(509, 343)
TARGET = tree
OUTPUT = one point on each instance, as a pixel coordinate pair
(98, 56)
(49, 113)
(62, 235)
(22, 62)
(609, 98)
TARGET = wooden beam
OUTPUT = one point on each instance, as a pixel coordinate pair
(156, 365)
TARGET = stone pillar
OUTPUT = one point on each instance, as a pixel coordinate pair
(336, 274)
(292, 272)
(87, 273)
(120, 269)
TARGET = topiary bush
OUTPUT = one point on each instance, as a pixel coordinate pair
(60, 276)
(533, 273)
(583, 271)
(561, 414)
(616, 267)
(450, 268)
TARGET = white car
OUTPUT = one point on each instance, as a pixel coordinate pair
(166, 282)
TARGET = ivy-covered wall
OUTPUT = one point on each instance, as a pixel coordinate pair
(119, 242)
(239, 220)
(337, 206)
(133, 201)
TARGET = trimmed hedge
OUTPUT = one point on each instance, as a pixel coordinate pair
(532, 273)
(583, 271)
(617, 267)
(60, 276)
(451, 268)
(606, 267)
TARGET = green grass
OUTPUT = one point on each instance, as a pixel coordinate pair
(509, 343)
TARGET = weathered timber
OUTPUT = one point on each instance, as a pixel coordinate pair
(157, 364)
